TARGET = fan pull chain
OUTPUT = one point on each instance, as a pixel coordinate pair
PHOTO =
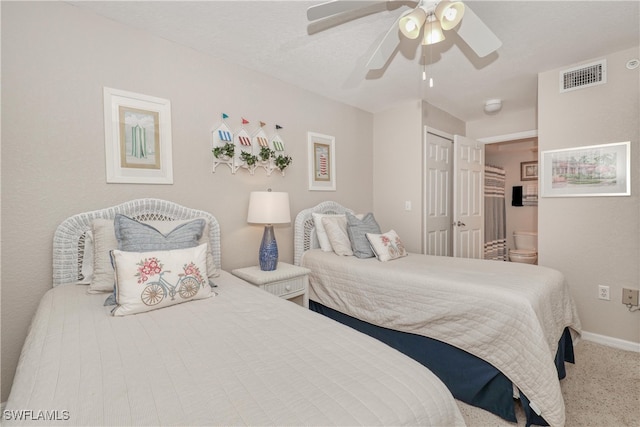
(430, 61)
(424, 68)
(424, 65)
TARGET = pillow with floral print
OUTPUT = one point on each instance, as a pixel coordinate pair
(150, 280)
(386, 246)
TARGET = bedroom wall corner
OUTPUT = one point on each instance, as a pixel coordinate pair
(397, 171)
(594, 240)
(56, 59)
(397, 150)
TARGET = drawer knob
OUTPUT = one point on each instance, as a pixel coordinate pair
(288, 287)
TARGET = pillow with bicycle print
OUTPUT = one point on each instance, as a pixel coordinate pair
(149, 280)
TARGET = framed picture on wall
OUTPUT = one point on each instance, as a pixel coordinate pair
(528, 171)
(322, 162)
(137, 132)
(595, 170)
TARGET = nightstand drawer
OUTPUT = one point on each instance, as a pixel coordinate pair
(286, 287)
(287, 281)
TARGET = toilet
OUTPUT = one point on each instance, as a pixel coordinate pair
(526, 247)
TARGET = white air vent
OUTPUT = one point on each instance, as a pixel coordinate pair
(583, 76)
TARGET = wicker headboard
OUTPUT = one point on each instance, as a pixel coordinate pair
(304, 228)
(69, 238)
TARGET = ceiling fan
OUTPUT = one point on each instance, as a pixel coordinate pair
(427, 17)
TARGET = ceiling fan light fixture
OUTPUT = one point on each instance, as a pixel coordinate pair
(411, 23)
(432, 32)
(449, 13)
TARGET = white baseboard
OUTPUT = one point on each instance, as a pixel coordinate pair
(611, 342)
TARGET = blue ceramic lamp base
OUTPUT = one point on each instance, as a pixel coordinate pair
(268, 255)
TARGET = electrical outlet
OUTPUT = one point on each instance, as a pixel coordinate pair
(603, 292)
(630, 296)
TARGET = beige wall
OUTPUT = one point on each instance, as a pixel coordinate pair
(56, 59)
(397, 150)
(594, 240)
(502, 123)
(397, 166)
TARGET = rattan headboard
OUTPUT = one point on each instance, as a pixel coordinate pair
(304, 228)
(69, 238)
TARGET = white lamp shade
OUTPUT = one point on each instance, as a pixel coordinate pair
(269, 207)
(432, 33)
(449, 13)
(411, 23)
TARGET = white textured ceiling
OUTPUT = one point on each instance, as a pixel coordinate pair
(274, 37)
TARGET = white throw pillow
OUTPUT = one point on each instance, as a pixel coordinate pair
(323, 239)
(386, 246)
(336, 230)
(150, 280)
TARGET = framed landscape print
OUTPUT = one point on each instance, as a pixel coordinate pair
(595, 170)
(137, 138)
(322, 166)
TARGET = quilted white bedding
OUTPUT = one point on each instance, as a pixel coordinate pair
(243, 357)
(509, 314)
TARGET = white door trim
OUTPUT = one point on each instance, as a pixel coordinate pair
(509, 137)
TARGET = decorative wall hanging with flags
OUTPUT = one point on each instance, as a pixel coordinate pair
(248, 150)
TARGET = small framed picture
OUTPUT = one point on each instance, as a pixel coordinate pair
(137, 138)
(528, 171)
(322, 162)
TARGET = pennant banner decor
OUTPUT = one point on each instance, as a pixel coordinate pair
(249, 150)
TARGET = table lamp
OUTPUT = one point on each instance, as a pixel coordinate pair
(268, 207)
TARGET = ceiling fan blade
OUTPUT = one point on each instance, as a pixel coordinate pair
(476, 34)
(386, 47)
(330, 8)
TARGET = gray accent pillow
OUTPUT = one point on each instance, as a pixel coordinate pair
(134, 236)
(357, 230)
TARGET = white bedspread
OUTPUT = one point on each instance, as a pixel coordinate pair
(244, 357)
(509, 314)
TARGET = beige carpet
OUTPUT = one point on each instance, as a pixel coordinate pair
(601, 389)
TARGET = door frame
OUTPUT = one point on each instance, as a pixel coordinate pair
(509, 137)
(533, 133)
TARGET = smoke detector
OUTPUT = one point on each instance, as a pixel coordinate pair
(492, 105)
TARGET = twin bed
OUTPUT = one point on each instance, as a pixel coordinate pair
(491, 331)
(240, 356)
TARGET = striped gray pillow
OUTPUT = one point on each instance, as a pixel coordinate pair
(134, 236)
(357, 230)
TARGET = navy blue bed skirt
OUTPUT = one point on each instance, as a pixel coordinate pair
(479, 383)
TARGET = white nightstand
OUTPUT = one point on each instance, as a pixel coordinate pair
(287, 281)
